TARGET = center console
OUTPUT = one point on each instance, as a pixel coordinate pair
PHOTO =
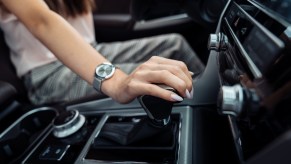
(124, 135)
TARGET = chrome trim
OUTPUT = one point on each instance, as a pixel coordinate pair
(254, 69)
(68, 146)
(62, 155)
(72, 121)
(26, 115)
(266, 11)
(221, 16)
(69, 129)
(161, 22)
(92, 161)
(184, 146)
(38, 144)
(257, 73)
(232, 100)
(264, 29)
(236, 137)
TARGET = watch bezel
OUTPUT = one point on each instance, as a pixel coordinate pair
(98, 79)
(107, 76)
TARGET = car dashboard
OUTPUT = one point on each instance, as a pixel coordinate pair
(253, 42)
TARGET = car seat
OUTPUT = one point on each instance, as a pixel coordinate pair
(13, 95)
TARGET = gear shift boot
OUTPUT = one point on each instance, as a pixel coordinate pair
(130, 134)
(123, 138)
(139, 136)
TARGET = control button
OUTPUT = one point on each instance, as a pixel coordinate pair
(54, 152)
(238, 101)
(68, 123)
(217, 42)
(213, 42)
(231, 100)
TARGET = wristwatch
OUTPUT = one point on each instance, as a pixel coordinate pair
(103, 72)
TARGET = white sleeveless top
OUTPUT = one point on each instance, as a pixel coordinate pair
(26, 51)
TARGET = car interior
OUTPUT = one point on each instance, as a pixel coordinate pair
(239, 114)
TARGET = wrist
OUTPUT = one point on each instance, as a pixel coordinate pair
(115, 86)
(103, 72)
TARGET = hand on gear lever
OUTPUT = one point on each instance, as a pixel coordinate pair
(157, 109)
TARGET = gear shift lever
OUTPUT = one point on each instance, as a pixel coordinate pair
(158, 122)
(157, 109)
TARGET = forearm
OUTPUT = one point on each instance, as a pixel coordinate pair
(69, 47)
(75, 53)
(55, 33)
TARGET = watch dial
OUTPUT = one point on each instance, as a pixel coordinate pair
(105, 70)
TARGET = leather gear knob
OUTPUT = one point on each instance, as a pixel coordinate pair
(157, 109)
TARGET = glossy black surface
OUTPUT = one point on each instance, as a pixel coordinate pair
(64, 118)
(259, 49)
(22, 136)
(280, 7)
(156, 145)
(74, 144)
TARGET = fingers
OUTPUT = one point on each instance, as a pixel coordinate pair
(163, 71)
(176, 63)
(175, 75)
(154, 90)
(145, 78)
(167, 78)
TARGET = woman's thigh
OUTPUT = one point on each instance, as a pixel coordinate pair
(129, 54)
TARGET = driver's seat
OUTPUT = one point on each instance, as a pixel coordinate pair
(13, 96)
(13, 93)
(8, 73)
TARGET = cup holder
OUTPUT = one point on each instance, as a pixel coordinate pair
(24, 133)
(150, 145)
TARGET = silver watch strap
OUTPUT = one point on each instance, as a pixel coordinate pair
(97, 84)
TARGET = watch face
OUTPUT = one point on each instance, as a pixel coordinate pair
(105, 70)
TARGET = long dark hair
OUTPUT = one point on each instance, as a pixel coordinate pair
(71, 8)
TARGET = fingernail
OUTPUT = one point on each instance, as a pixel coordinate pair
(176, 97)
(191, 93)
(188, 94)
(191, 73)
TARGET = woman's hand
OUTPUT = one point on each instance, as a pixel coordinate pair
(143, 80)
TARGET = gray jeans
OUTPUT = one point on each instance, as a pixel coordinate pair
(55, 82)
